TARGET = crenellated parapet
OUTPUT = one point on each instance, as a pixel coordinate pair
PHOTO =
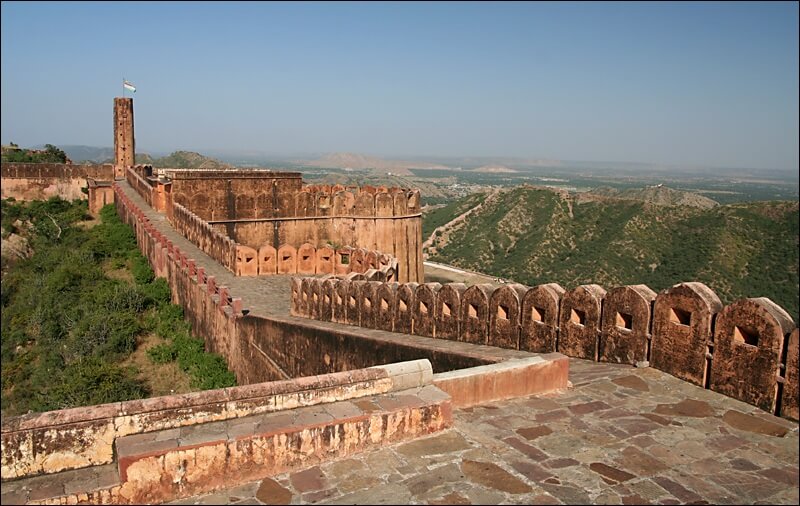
(286, 259)
(264, 210)
(201, 234)
(747, 350)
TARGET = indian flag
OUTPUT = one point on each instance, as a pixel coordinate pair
(129, 86)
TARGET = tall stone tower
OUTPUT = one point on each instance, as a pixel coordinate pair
(124, 144)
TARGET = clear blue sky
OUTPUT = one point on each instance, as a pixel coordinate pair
(712, 84)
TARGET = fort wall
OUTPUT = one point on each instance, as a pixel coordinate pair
(746, 350)
(40, 181)
(264, 222)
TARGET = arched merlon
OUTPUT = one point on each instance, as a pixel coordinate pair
(748, 343)
(625, 325)
(682, 330)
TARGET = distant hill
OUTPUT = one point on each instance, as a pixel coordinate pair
(90, 154)
(183, 160)
(177, 159)
(533, 235)
(657, 195)
(360, 162)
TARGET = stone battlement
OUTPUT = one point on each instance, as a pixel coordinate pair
(747, 350)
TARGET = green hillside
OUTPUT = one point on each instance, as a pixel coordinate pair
(538, 236)
(182, 160)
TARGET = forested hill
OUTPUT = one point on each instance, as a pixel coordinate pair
(534, 236)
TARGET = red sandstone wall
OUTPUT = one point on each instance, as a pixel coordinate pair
(139, 182)
(235, 194)
(386, 220)
(214, 244)
(259, 349)
(40, 181)
(740, 353)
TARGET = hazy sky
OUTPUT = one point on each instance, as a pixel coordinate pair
(675, 83)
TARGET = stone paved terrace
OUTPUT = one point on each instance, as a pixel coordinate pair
(621, 436)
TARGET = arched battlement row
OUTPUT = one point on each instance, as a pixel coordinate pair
(286, 259)
(743, 350)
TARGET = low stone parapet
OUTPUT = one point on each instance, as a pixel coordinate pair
(169, 464)
(505, 380)
(82, 437)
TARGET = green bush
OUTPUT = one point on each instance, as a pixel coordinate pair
(142, 273)
(94, 381)
(61, 315)
(162, 353)
(156, 293)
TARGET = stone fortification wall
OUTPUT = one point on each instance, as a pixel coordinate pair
(124, 141)
(259, 348)
(215, 244)
(261, 209)
(382, 219)
(303, 243)
(747, 350)
(137, 177)
(40, 181)
(328, 366)
(233, 194)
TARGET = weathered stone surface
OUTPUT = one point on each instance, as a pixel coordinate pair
(493, 476)
(473, 314)
(539, 318)
(687, 407)
(750, 423)
(308, 480)
(748, 342)
(505, 306)
(443, 443)
(270, 492)
(404, 309)
(625, 325)
(424, 312)
(531, 433)
(682, 317)
(612, 473)
(790, 407)
(579, 321)
(448, 303)
(633, 382)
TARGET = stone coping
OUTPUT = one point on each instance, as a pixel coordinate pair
(228, 173)
(420, 369)
(321, 217)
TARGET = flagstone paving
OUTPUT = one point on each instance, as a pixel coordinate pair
(621, 435)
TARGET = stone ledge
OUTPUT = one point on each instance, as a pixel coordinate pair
(513, 378)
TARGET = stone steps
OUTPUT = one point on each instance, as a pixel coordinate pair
(165, 465)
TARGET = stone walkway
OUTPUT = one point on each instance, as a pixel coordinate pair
(620, 436)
